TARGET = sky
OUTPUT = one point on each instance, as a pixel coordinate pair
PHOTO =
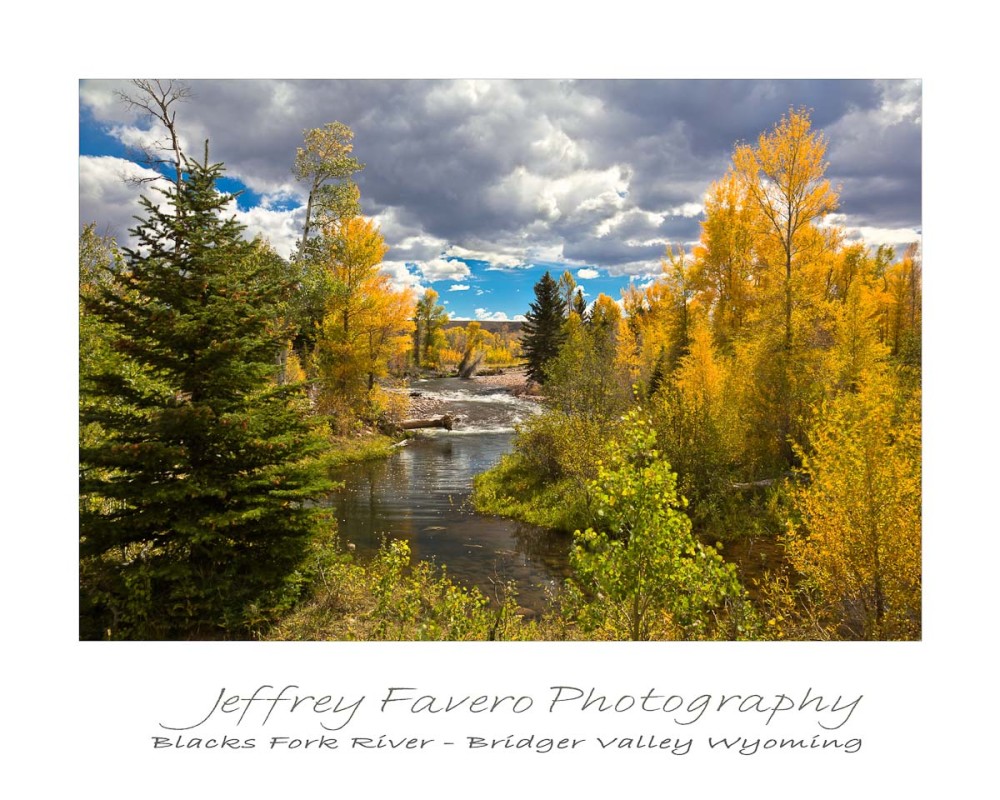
(481, 186)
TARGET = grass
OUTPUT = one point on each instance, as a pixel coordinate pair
(353, 449)
(512, 489)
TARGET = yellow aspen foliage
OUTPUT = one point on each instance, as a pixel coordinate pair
(725, 269)
(901, 298)
(605, 315)
(448, 357)
(292, 368)
(649, 320)
(367, 322)
(660, 315)
(698, 423)
(627, 362)
(858, 542)
(387, 322)
(857, 349)
(783, 178)
(700, 376)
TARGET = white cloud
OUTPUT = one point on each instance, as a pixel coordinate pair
(401, 277)
(154, 140)
(687, 210)
(109, 199)
(901, 100)
(459, 95)
(587, 273)
(459, 287)
(100, 98)
(281, 228)
(110, 196)
(408, 242)
(557, 151)
(510, 259)
(875, 236)
(586, 192)
(495, 316)
(268, 201)
(635, 219)
(441, 269)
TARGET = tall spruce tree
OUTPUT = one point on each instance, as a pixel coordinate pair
(194, 519)
(543, 332)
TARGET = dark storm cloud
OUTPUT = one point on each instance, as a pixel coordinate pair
(715, 114)
(882, 202)
(680, 135)
(535, 165)
(877, 161)
(681, 229)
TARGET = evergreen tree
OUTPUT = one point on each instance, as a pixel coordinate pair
(543, 332)
(193, 520)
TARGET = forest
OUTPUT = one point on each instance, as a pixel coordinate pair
(733, 448)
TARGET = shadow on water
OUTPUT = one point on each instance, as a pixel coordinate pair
(421, 492)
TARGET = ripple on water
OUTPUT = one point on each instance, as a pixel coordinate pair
(420, 493)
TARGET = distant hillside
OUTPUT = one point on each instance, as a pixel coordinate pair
(514, 326)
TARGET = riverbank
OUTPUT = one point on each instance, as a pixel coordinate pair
(410, 560)
(513, 380)
(346, 450)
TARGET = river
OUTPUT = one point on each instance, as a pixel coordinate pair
(421, 492)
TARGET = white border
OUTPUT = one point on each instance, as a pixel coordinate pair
(82, 712)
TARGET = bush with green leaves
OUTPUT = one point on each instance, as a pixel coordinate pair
(393, 598)
(639, 572)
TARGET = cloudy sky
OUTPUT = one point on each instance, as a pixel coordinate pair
(481, 186)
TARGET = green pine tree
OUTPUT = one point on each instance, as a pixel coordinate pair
(543, 332)
(194, 502)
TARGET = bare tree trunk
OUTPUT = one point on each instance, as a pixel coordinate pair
(305, 227)
(156, 98)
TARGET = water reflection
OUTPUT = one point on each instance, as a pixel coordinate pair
(421, 494)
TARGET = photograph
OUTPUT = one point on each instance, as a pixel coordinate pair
(500, 360)
(500, 400)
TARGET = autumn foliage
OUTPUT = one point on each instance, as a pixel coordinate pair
(735, 445)
(777, 367)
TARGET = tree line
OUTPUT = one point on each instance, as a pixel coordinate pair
(776, 370)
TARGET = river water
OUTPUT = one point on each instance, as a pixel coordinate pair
(421, 492)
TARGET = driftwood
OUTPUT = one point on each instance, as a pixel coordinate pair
(446, 422)
(762, 484)
(754, 484)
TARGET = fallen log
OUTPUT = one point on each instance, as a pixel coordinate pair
(762, 484)
(754, 484)
(446, 422)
